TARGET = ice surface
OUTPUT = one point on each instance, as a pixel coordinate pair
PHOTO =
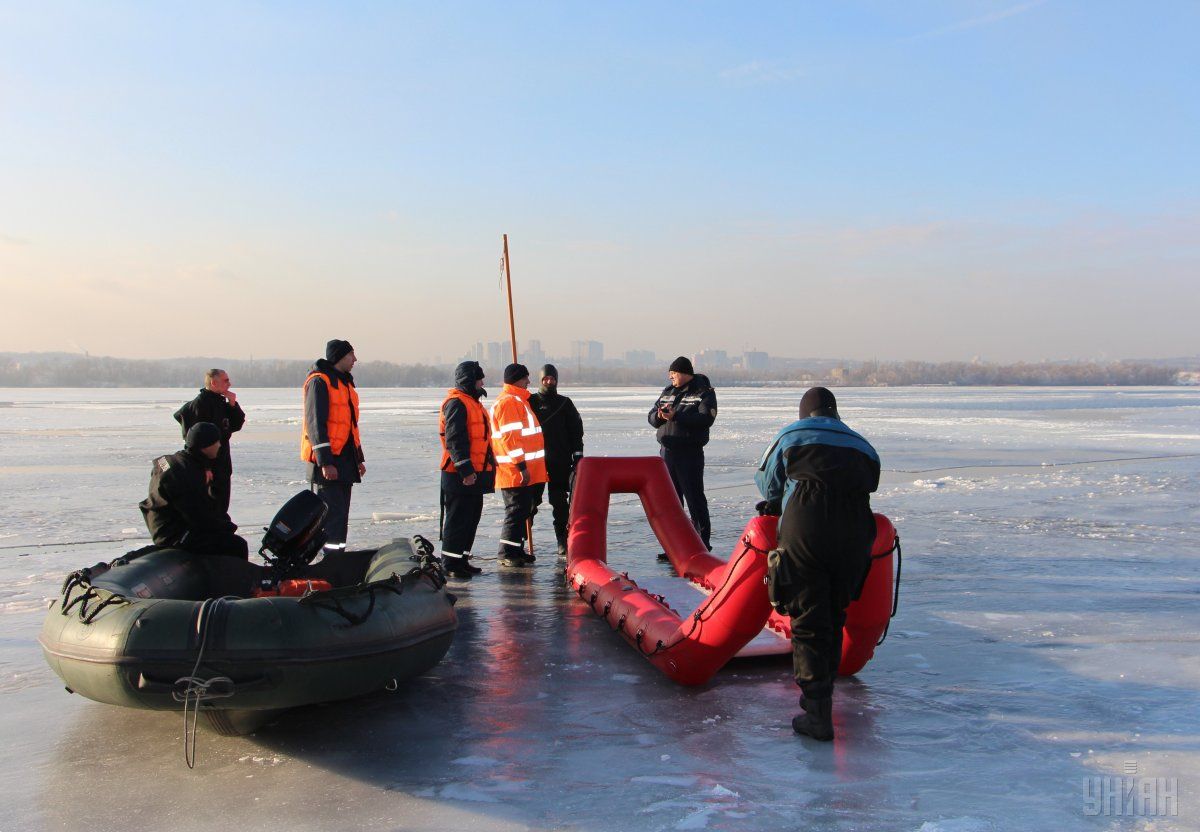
(1048, 635)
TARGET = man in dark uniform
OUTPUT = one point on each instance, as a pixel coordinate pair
(330, 441)
(684, 412)
(218, 405)
(468, 467)
(180, 510)
(820, 475)
(562, 430)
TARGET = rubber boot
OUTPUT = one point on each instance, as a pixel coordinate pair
(514, 556)
(817, 719)
(562, 550)
(459, 566)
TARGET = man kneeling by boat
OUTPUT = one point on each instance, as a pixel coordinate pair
(180, 511)
(819, 474)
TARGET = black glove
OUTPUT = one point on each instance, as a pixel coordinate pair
(768, 507)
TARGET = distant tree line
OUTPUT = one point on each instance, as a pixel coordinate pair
(68, 370)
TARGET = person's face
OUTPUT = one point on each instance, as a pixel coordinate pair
(220, 384)
(212, 450)
(678, 379)
(549, 382)
(478, 384)
(346, 362)
(523, 383)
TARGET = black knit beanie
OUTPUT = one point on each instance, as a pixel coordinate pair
(515, 372)
(818, 401)
(682, 364)
(201, 435)
(335, 350)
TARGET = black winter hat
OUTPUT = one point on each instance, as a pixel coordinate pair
(335, 350)
(682, 364)
(549, 370)
(201, 435)
(515, 372)
(468, 372)
(818, 401)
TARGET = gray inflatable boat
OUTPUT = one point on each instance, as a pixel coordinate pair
(168, 629)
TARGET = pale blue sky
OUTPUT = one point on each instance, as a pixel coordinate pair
(930, 180)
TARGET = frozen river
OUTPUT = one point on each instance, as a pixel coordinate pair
(1046, 654)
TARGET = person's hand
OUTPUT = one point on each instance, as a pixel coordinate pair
(208, 477)
(524, 477)
(329, 472)
(230, 396)
(362, 469)
(470, 478)
(667, 412)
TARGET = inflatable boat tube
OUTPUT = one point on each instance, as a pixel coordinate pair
(691, 648)
(152, 631)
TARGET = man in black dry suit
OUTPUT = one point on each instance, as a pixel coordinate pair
(684, 412)
(562, 430)
(180, 510)
(218, 405)
(820, 474)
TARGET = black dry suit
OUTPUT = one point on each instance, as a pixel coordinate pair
(180, 511)
(823, 473)
(562, 431)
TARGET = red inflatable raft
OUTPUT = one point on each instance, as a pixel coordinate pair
(691, 649)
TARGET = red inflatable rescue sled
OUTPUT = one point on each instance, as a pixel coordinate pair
(691, 648)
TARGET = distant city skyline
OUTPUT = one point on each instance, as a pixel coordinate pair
(1011, 179)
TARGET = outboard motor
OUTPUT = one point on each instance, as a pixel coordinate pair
(296, 535)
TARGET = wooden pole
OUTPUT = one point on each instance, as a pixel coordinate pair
(512, 334)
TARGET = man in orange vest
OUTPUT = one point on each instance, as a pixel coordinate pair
(468, 467)
(329, 441)
(520, 462)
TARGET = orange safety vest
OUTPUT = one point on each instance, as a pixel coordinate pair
(478, 430)
(343, 418)
(517, 437)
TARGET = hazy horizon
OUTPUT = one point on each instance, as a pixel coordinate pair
(933, 181)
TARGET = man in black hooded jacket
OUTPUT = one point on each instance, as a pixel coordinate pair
(562, 431)
(180, 511)
(218, 405)
(684, 412)
(468, 467)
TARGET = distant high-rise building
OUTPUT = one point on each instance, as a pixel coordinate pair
(755, 360)
(639, 358)
(499, 356)
(534, 357)
(711, 359)
(587, 353)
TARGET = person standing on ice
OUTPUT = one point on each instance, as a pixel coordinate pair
(329, 439)
(468, 467)
(684, 412)
(180, 509)
(819, 475)
(562, 430)
(218, 405)
(520, 462)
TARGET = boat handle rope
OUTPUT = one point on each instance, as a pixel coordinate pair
(87, 611)
(896, 591)
(191, 690)
(331, 599)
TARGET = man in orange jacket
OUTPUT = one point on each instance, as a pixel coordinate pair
(520, 462)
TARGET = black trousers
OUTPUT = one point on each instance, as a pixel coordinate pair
(221, 486)
(463, 511)
(337, 496)
(560, 504)
(518, 508)
(828, 543)
(686, 466)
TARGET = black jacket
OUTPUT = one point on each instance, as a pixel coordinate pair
(695, 410)
(214, 408)
(316, 423)
(458, 438)
(180, 503)
(562, 431)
